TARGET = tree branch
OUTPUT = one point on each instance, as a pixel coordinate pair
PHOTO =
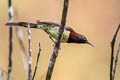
(10, 12)
(30, 55)
(23, 50)
(36, 66)
(58, 41)
(1, 73)
(112, 53)
(116, 61)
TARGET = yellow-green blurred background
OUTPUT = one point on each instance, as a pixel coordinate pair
(96, 19)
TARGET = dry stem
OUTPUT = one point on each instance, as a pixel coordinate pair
(58, 41)
(112, 53)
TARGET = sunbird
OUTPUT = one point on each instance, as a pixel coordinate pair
(51, 28)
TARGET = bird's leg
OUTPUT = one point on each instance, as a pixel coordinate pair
(52, 40)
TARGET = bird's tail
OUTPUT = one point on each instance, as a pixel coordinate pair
(22, 24)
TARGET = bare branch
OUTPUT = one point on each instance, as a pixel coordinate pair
(58, 41)
(30, 55)
(1, 74)
(112, 52)
(10, 12)
(23, 51)
(116, 61)
(36, 66)
(20, 38)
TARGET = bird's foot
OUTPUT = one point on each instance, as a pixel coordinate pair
(52, 40)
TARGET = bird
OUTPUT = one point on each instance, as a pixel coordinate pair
(51, 28)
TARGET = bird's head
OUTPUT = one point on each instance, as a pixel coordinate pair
(78, 38)
(83, 39)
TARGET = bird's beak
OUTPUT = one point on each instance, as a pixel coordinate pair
(90, 44)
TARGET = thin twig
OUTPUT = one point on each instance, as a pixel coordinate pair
(58, 41)
(23, 51)
(1, 74)
(116, 61)
(20, 38)
(10, 12)
(30, 55)
(112, 52)
(36, 66)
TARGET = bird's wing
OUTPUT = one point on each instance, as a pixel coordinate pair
(56, 24)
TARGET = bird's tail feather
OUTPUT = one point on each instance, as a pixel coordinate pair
(22, 24)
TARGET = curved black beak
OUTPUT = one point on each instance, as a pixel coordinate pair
(90, 44)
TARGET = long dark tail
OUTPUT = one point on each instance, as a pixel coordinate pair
(22, 24)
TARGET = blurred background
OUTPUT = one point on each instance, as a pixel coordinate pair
(96, 19)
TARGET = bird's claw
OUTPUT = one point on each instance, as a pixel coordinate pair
(53, 40)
